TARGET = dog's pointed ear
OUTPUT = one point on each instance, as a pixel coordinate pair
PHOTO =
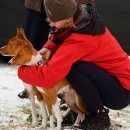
(23, 36)
(18, 32)
(22, 31)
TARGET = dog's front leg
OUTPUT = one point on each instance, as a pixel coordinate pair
(52, 125)
(44, 114)
(57, 112)
(33, 105)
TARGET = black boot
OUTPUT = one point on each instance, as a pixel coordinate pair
(23, 94)
(97, 121)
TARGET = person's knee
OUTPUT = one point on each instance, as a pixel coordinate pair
(81, 67)
(76, 70)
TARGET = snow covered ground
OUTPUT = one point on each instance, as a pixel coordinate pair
(14, 111)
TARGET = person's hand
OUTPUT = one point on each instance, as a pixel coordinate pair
(46, 53)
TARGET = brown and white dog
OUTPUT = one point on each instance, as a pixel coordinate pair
(23, 53)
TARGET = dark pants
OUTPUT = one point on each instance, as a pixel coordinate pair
(97, 88)
(36, 28)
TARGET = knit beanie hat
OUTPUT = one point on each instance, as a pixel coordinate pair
(57, 10)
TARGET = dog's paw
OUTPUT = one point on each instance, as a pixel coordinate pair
(74, 127)
(41, 127)
(35, 123)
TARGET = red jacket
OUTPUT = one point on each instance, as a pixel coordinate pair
(101, 50)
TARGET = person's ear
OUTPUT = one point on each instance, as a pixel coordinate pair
(70, 22)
